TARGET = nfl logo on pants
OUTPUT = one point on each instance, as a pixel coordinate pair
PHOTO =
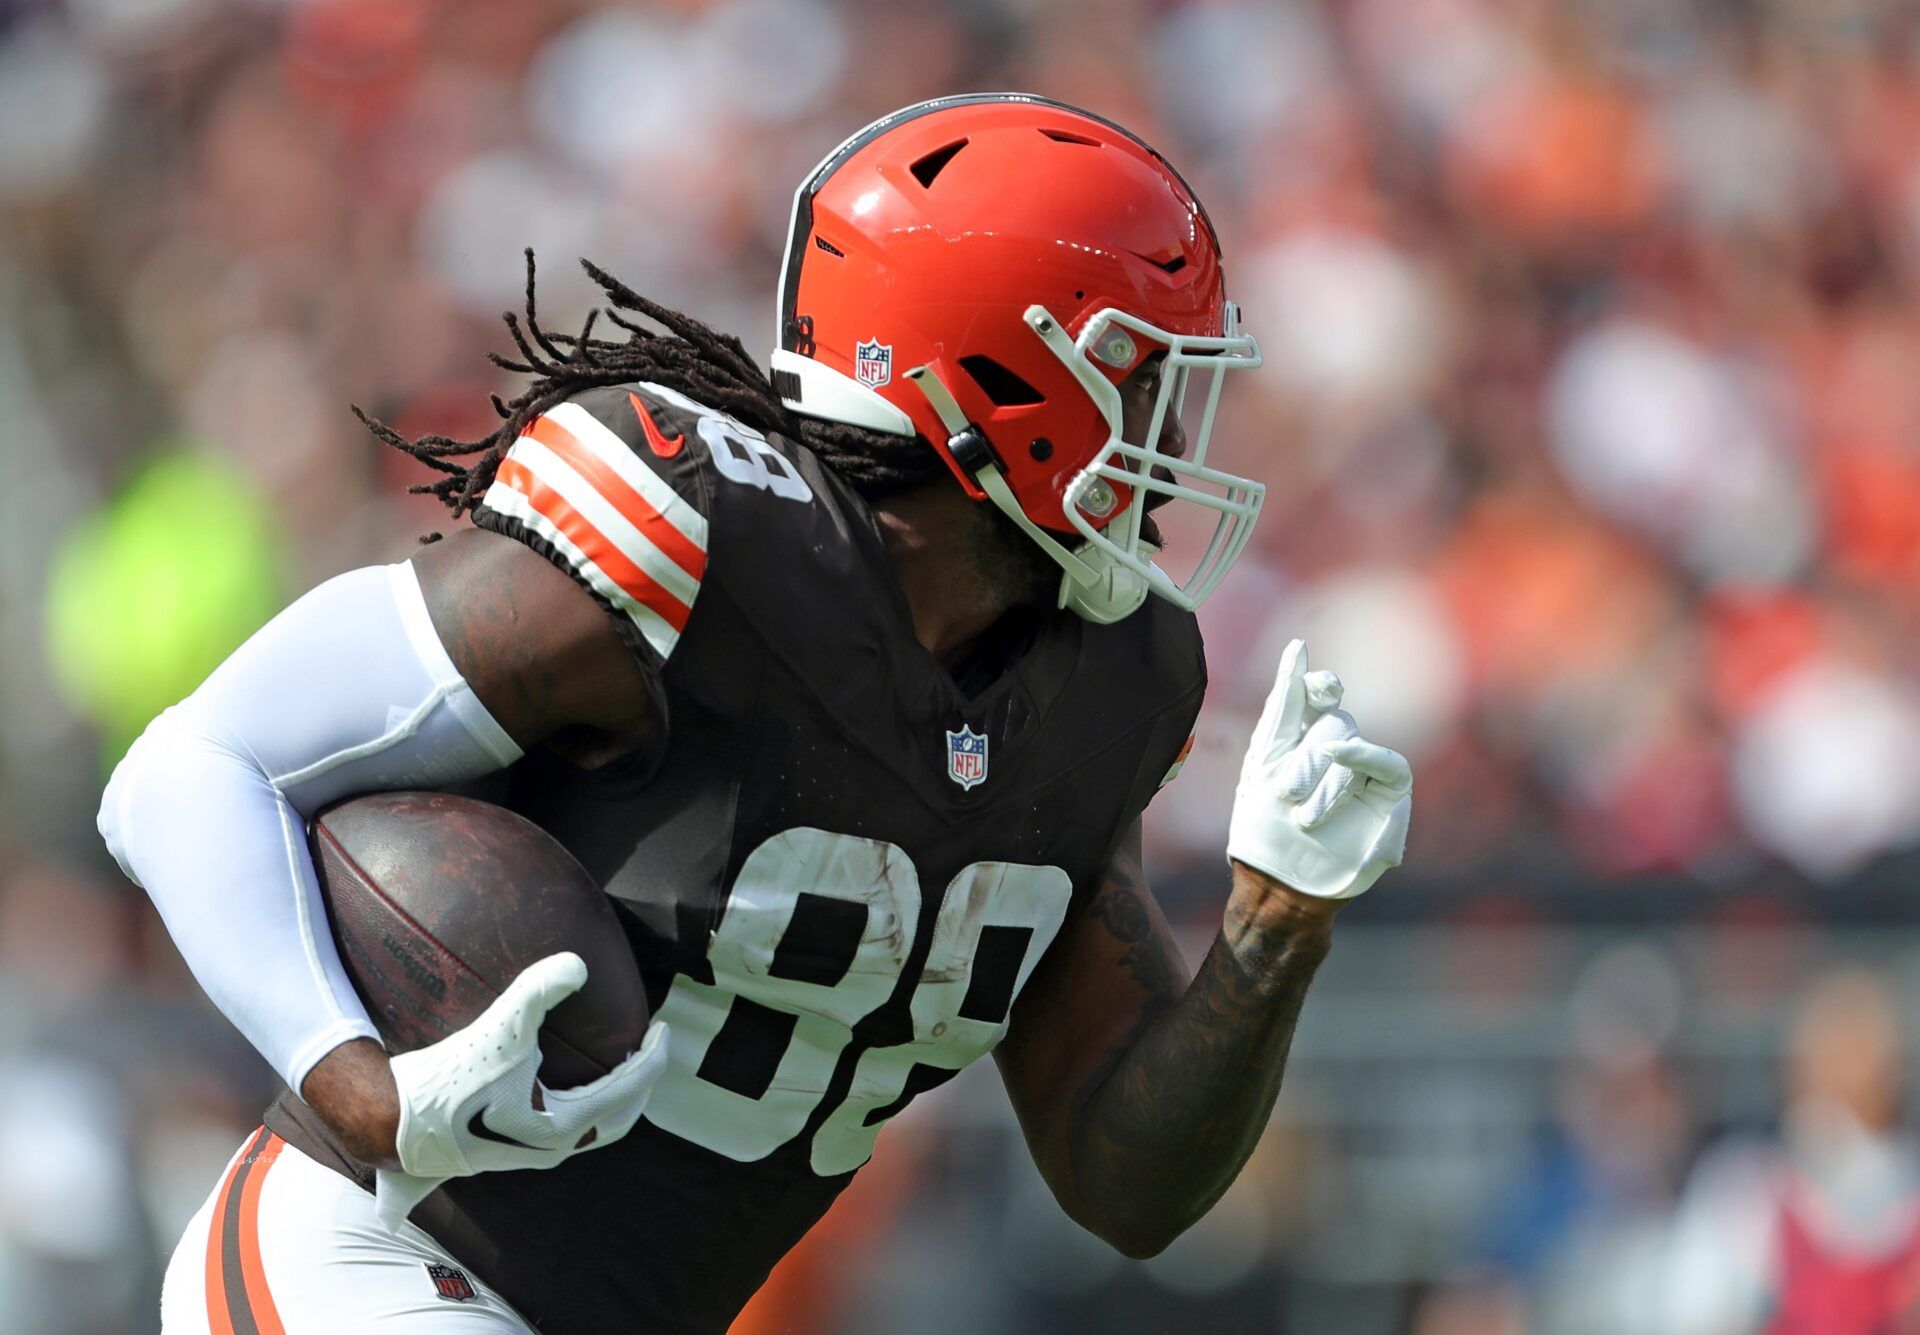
(450, 1283)
(966, 757)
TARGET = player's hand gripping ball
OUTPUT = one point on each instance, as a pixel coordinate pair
(1318, 807)
(472, 1102)
(468, 931)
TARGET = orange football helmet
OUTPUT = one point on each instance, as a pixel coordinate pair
(984, 271)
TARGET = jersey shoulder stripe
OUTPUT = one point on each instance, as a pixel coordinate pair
(637, 520)
(622, 528)
(658, 494)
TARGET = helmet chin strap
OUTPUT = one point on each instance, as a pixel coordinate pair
(1118, 595)
(1094, 587)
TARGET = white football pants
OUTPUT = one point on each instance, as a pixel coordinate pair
(284, 1246)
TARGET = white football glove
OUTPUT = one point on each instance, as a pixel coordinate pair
(1318, 807)
(472, 1103)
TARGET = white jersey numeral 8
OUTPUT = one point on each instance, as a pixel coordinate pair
(745, 457)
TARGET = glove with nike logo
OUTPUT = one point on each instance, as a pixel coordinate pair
(1318, 807)
(472, 1102)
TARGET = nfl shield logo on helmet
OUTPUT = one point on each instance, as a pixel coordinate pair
(873, 363)
(450, 1283)
(966, 757)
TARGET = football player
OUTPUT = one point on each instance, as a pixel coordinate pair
(850, 684)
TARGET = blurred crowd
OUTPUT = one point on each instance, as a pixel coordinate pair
(1592, 435)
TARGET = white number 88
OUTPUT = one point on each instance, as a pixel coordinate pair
(815, 937)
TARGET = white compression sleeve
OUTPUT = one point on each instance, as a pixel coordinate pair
(349, 690)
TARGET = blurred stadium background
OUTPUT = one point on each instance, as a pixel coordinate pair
(1591, 418)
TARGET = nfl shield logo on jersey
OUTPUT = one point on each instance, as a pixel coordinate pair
(450, 1283)
(873, 363)
(966, 757)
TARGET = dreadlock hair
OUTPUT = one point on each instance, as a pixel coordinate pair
(691, 357)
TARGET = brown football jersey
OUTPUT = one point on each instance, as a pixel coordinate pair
(836, 871)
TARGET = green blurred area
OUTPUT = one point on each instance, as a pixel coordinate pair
(148, 594)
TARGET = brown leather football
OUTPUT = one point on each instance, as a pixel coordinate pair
(437, 902)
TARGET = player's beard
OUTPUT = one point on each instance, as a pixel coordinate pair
(1008, 561)
(1005, 558)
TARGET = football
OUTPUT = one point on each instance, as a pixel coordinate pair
(437, 902)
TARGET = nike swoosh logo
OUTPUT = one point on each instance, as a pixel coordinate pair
(477, 1126)
(656, 442)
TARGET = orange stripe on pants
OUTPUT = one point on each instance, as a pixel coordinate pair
(238, 1302)
(218, 1319)
(253, 1274)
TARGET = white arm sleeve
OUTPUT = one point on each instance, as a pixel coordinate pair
(349, 690)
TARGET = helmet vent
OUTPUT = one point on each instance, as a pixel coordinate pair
(1174, 265)
(935, 162)
(1002, 387)
(822, 243)
(1069, 137)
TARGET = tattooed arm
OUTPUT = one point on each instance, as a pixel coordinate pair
(1142, 1092)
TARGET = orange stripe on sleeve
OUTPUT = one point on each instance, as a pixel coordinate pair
(638, 511)
(580, 531)
(265, 1315)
